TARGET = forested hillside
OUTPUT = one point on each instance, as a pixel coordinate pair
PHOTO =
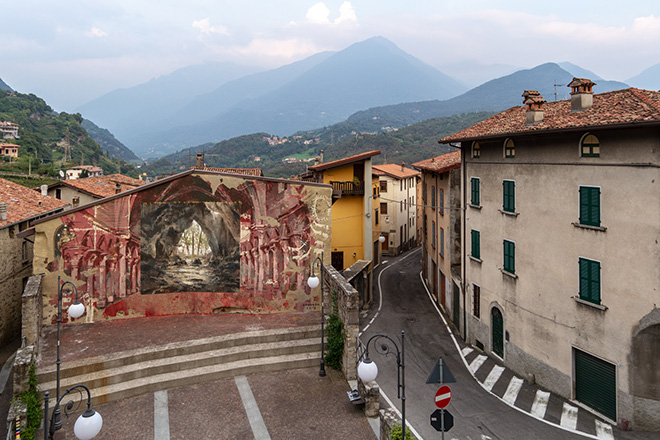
(44, 134)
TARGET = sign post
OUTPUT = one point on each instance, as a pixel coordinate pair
(442, 399)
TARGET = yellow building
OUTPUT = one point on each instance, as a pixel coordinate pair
(353, 236)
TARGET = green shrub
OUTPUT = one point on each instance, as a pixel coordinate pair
(395, 433)
(336, 336)
(31, 397)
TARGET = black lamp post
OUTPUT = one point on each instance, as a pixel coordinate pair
(313, 282)
(367, 369)
(87, 426)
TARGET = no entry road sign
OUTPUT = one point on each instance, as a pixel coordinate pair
(443, 397)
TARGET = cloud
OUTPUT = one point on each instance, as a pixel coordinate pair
(289, 48)
(96, 33)
(204, 26)
(320, 14)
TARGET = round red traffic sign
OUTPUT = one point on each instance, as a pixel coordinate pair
(442, 397)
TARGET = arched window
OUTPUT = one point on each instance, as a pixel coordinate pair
(509, 148)
(589, 146)
(476, 150)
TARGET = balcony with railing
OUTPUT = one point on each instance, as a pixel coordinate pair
(347, 188)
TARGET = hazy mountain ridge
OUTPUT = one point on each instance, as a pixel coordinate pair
(4, 86)
(648, 79)
(109, 142)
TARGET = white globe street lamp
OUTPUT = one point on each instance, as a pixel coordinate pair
(367, 370)
(381, 239)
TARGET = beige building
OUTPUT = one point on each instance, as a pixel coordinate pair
(398, 192)
(19, 207)
(561, 232)
(441, 231)
(76, 172)
(89, 189)
(10, 150)
(9, 130)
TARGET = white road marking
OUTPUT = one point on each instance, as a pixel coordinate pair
(569, 414)
(477, 363)
(493, 377)
(467, 350)
(540, 404)
(252, 409)
(512, 390)
(604, 430)
(161, 416)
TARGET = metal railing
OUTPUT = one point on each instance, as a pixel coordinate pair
(348, 188)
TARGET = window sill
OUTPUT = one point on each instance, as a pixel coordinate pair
(509, 274)
(592, 228)
(588, 303)
(474, 206)
(513, 214)
(475, 259)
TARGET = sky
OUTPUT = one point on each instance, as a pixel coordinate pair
(72, 51)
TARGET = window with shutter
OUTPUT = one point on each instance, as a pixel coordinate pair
(442, 201)
(476, 246)
(442, 242)
(509, 191)
(509, 256)
(474, 199)
(590, 205)
(589, 280)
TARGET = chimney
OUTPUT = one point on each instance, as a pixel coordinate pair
(403, 166)
(200, 160)
(534, 102)
(3, 212)
(582, 94)
(117, 188)
(44, 190)
(321, 156)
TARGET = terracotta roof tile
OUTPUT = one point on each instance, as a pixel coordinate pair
(440, 164)
(394, 170)
(245, 171)
(344, 161)
(625, 106)
(101, 186)
(24, 203)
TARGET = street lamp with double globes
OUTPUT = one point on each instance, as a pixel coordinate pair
(368, 370)
(313, 282)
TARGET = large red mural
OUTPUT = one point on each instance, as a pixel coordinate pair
(200, 243)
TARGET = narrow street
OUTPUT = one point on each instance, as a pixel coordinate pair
(406, 306)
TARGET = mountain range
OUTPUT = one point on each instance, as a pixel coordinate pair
(4, 86)
(648, 79)
(319, 91)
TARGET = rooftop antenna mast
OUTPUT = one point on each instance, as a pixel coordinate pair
(556, 85)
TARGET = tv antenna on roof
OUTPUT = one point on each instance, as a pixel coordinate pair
(555, 85)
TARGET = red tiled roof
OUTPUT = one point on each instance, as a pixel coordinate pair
(440, 164)
(24, 203)
(627, 106)
(394, 170)
(101, 186)
(344, 161)
(245, 171)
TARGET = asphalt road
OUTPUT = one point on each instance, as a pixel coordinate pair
(406, 306)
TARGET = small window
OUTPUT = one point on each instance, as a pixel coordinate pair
(589, 280)
(383, 208)
(590, 146)
(590, 205)
(376, 217)
(476, 150)
(433, 196)
(442, 242)
(474, 184)
(509, 199)
(476, 298)
(442, 201)
(383, 186)
(424, 192)
(76, 201)
(476, 244)
(509, 148)
(509, 256)
(25, 252)
(433, 234)
(58, 194)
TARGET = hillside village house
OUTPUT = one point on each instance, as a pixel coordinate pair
(398, 192)
(10, 150)
(75, 172)
(560, 238)
(9, 130)
(89, 189)
(441, 231)
(19, 207)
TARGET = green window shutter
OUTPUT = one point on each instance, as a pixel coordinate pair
(475, 191)
(476, 246)
(442, 242)
(589, 280)
(509, 191)
(590, 205)
(509, 256)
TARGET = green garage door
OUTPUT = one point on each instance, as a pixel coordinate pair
(595, 383)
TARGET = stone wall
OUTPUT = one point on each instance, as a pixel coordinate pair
(16, 265)
(31, 312)
(348, 303)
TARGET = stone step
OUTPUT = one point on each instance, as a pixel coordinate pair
(166, 381)
(47, 373)
(187, 362)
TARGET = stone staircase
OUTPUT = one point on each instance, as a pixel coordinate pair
(130, 373)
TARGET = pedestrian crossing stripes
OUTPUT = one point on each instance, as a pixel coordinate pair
(541, 406)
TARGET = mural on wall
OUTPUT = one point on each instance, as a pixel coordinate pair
(201, 244)
(189, 247)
